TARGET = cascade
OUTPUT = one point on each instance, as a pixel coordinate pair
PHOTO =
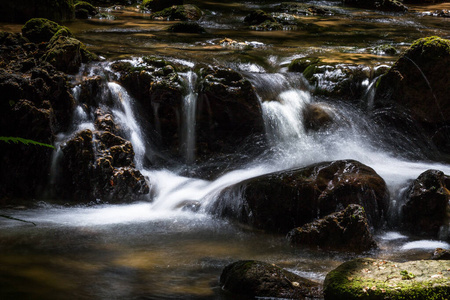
(188, 119)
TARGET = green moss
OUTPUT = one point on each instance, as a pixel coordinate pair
(39, 30)
(430, 48)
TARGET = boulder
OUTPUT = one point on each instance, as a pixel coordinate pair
(262, 280)
(366, 278)
(317, 117)
(40, 30)
(427, 206)
(257, 17)
(22, 10)
(346, 230)
(284, 200)
(225, 98)
(418, 84)
(84, 10)
(441, 254)
(179, 12)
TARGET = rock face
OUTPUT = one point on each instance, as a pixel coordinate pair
(427, 206)
(366, 278)
(346, 230)
(23, 10)
(284, 200)
(258, 279)
(225, 99)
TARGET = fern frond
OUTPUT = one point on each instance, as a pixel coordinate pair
(17, 140)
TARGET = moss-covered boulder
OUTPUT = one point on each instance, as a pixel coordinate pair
(366, 278)
(157, 5)
(346, 230)
(179, 12)
(288, 199)
(419, 82)
(22, 10)
(186, 27)
(383, 5)
(84, 9)
(39, 30)
(257, 17)
(253, 278)
(427, 204)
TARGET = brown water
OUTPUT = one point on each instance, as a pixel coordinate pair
(136, 252)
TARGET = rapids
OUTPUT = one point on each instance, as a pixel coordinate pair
(156, 250)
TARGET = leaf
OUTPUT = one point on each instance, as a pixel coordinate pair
(17, 140)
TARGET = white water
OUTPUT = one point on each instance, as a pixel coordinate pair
(188, 123)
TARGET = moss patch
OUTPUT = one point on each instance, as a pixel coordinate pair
(367, 278)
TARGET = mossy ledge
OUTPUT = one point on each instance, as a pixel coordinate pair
(367, 278)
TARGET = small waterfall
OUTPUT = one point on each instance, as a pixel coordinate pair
(126, 119)
(188, 119)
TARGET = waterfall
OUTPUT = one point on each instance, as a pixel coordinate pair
(188, 119)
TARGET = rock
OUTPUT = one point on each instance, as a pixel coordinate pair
(418, 82)
(225, 98)
(186, 27)
(257, 17)
(304, 9)
(22, 10)
(301, 64)
(84, 9)
(346, 230)
(99, 165)
(179, 12)
(366, 278)
(284, 200)
(317, 117)
(157, 5)
(258, 279)
(384, 5)
(441, 254)
(427, 206)
(40, 30)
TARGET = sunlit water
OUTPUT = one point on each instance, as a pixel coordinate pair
(157, 250)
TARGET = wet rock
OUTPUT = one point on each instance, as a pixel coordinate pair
(258, 279)
(366, 278)
(179, 12)
(257, 17)
(157, 5)
(84, 10)
(22, 10)
(304, 9)
(346, 230)
(284, 200)
(418, 82)
(99, 165)
(225, 99)
(40, 30)
(383, 5)
(441, 254)
(427, 206)
(317, 117)
(186, 27)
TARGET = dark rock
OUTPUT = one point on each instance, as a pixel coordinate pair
(441, 254)
(418, 81)
(157, 5)
(225, 99)
(346, 230)
(316, 117)
(366, 278)
(257, 17)
(304, 9)
(187, 27)
(300, 64)
(383, 5)
(427, 204)
(267, 26)
(284, 200)
(258, 279)
(22, 10)
(83, 6)
(179, 12)
(39, 30)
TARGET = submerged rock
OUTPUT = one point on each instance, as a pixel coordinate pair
(366, 278)
(346, 230)
(179, 12)
(284, 200)
(427, 206)
(253, 278)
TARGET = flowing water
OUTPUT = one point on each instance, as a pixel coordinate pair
(156, 250)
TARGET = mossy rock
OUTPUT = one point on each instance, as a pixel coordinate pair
(301, 64)
(257, 17)
(179, 12)
(186, 27)
(157, 5)
(267, 26)
(39, 30)
(92, 11)
(367, 278)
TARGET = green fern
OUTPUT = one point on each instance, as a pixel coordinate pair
(17, 140)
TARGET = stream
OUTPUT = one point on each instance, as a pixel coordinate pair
(154, 249)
